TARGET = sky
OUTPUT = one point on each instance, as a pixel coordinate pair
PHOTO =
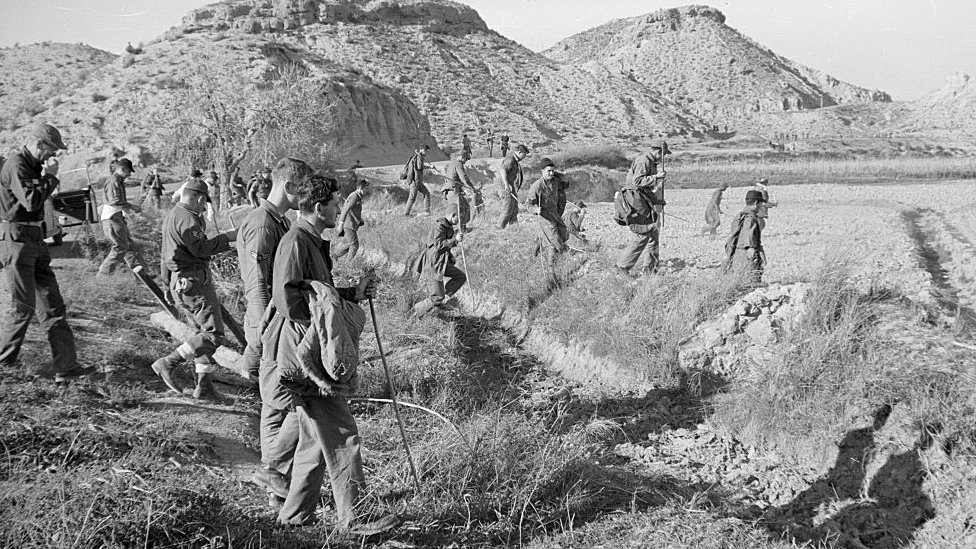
(904, 47)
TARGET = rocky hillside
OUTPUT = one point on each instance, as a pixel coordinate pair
(119, 103)
(951, 108)
(692, 57)
(462, 75)
(36, 77)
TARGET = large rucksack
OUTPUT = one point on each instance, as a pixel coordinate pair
(405, 170)
(630, 208)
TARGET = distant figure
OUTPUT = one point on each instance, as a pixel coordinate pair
(436, 264)
(350, 220)
(504, 147)
(744, 250)
(713, 212)
(213, 186)
(114, 225)
(490, 140)
(573, 217)
(156, 189)
(466, 144)
(147, 181)
(453, 190)
(238, 190)
(762, 186)
(259, 186)
(353, 177)
(415, 180)
(510, 178)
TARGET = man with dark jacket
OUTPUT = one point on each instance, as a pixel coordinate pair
(453, 189)
(644, 184)
(548, 196)
(744, 249)
(328, 437)
(114, 225)
(350, 220)
(27, 179)
(510, 179)
(415, 180)
(437, 264)
(185, 254)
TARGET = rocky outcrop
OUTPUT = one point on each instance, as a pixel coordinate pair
(952, 107)
(692, 57)
(260, 16)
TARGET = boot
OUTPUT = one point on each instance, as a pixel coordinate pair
(163, 368)
(205, 388)
(365, 527)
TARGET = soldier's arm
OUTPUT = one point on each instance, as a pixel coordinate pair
(509, 185)
(289, 287)
(533, 198)
(30, 193)
(197, 243)
(260, 245)
(346, 206)
(642, 173)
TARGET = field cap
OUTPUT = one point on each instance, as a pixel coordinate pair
(200, 187)
(196, 173)
(762, 181)
(660, 144)
(546, 162)
(124, 163)
(522, 149)
(48, 134)
(754, 196)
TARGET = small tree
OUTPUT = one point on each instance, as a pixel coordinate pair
(220, 117)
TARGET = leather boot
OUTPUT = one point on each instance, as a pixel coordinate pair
(164, 369)
(205, 388)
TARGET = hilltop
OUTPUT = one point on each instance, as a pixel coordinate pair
(690, 55)
(951, 108)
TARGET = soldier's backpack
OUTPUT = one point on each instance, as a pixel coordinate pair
(630, 208)
(405, 170)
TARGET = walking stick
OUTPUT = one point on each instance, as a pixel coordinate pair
(464, 261)
(393, 397)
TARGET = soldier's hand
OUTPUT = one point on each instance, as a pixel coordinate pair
(459, 237)
(661, 174)
(366, 289)
(51, 168)
(231, 235)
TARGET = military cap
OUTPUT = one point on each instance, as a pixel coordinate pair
(762, 181)
(197, 186)
(660, 144)
(754, 196)
(546, 162)
(522, 149)
(48, 134)
(124, 163)
(196, 173)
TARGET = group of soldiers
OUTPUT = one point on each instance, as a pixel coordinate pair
(306, 426)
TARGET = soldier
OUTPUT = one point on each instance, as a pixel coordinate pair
(147, 182)
(762, 186)
(415, 180)
(259, 187)
(437, 264)
(257, 242)
(490, 141)
(238, 190)
(510, 178)
(453, 190)
(504, 146)
(544, 195)
(328, 438)
(744, 250)
(713, 212)
(573, 219)
(185, 254)
(213, 186)
(153, 187)
(645, 180)
(113, 220)
(466, 144)
(27, 180)
(351, 219)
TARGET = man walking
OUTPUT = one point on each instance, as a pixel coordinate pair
(437, 264)
(510, 178)
(548, 197)
(114, 225)
(185, 254)
(453, 190)
(350, 220)
(713, 212)
(415, 180)
(504, 145)
(155, 191)
(27, 179)
(490, 141)
(744, 250)
(328, 437)
(644, 181)
(257, 243)
(466, 144)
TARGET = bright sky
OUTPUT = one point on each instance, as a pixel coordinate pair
(905, 47)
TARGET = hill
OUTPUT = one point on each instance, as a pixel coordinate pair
(460, 73)
(691, 56)
(951, 108)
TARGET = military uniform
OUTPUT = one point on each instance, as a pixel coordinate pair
(641, 178)
(504, 146)
(351, 219)
(186, 253)
(415, 180)
(453, 191)
(33, 286)
(327, 434)
(511, 171)
(550, 197)
(116, 228)
(437, 264)
(744, 250)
